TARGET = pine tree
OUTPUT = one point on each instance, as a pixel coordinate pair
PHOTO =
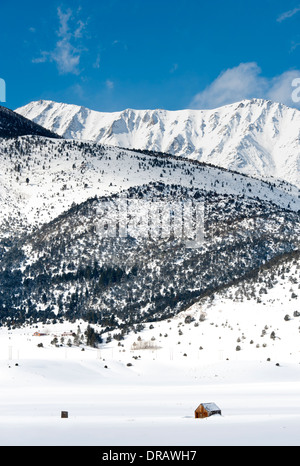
(92, 337)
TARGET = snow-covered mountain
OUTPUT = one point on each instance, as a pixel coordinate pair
(257, 137)
(56, 193)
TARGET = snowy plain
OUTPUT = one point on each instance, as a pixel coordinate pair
(174, 365)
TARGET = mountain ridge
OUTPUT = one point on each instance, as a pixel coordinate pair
(256, 137)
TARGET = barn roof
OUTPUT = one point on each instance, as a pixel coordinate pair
(210, 407)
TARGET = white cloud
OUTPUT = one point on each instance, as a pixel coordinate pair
(174, 68)
(246, 82)
(234, 84)
(109, 84)
(66, 54)
(67, 57)
(288, 14)
(42, 59)
(68, 49)
(96, 64)
(294, 45)
(63, 20)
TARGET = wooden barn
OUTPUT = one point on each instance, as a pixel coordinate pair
(206, 410)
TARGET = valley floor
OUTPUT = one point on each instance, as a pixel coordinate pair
(151, 401)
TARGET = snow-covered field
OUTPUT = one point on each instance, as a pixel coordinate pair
(175, 366)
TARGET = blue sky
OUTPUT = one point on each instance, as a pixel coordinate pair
(115, 54)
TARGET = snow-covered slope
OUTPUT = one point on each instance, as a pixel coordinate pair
(256, 137)
(41, 178)
(54, 191)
